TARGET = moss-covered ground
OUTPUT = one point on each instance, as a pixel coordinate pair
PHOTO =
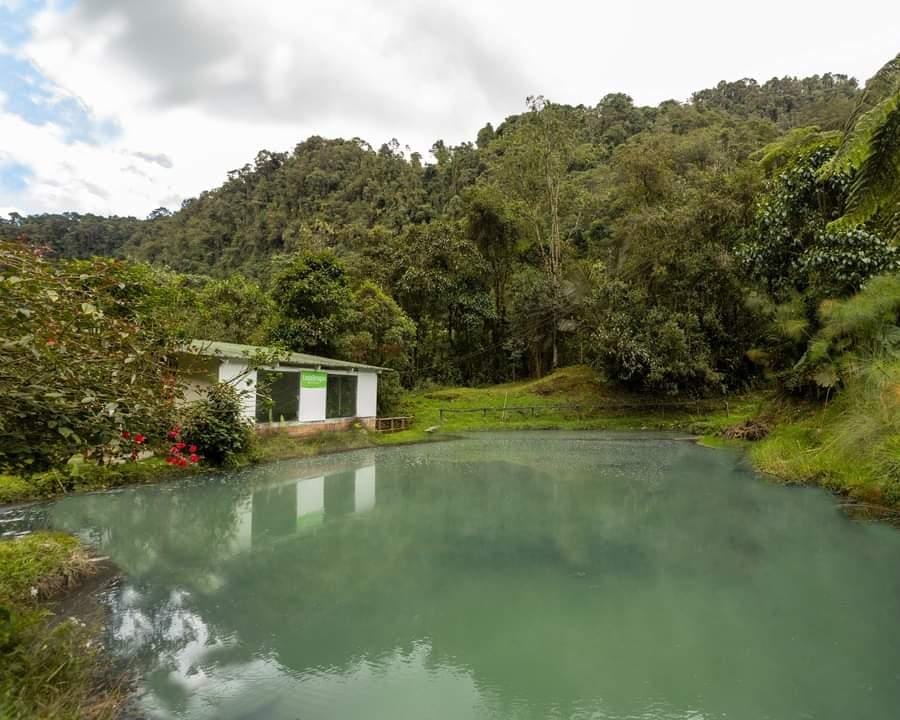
(51, 667)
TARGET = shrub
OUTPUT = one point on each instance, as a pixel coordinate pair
(85, 353)
(649, 345)
(14, 488)
(216, 427)
(390, 392)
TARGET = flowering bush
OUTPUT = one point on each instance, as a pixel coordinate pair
(133, 443)
(181, 453)
(85, 352)
(216, 424)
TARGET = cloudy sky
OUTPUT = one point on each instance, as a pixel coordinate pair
(122, 106)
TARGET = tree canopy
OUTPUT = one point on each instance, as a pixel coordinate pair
(661, 243)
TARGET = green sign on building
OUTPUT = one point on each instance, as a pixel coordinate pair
(313, 380)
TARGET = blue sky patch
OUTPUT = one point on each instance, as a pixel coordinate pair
(13, 178)
(14, 21)
(32, 96)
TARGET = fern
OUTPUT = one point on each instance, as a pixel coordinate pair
(870, 149)
(877, 179)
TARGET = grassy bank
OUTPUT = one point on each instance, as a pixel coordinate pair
(86, 477)
(50, 666)
(77, 477)
(850, 445)
(571, 398)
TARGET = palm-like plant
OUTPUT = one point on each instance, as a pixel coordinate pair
(870, 150)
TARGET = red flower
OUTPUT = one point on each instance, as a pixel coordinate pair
(139, 439)
(126, 435)
(181, 445)
(194, 457)
(182, 462)
(171, 460)
(192, 449)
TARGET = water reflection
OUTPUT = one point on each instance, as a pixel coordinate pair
(293, 506)
(511, 576)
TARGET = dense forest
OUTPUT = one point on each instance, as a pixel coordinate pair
(688, 248)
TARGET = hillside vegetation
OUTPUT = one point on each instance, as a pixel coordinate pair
(619, 235)
(741, 244)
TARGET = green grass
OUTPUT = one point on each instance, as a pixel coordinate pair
(851, 445)
(600, 407)
(80, 476)
(49, 668)
(35, 566)
(14, 489)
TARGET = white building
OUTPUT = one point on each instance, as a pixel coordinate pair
(299, 393)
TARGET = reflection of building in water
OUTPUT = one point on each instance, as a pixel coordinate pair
(364, 489)
(302, 505)
(310, 502)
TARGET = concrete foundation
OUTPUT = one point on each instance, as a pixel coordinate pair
(306, 429)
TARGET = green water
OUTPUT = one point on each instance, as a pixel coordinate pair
(521, 575)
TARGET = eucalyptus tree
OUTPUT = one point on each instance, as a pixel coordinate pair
(532, 168)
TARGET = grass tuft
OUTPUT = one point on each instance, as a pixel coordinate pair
(49, 667)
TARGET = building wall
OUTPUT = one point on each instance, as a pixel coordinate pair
(235, 371)
(202, 372)
(367, 394)
(312, 404)
(306, 429)
(199, 375)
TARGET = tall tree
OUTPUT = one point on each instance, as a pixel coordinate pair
(312, 303)
(536, 153)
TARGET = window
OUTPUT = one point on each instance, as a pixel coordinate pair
(340, 396)
(277, 396)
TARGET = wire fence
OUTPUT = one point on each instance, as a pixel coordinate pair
(594, 408)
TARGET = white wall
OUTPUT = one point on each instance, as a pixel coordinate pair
(312, 404)
(367, 394)
(231, 369)
(312, 400)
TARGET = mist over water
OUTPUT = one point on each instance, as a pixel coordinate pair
(516, 575)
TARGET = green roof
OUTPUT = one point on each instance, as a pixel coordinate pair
(213, 348)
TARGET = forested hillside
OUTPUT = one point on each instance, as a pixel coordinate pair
(683, 248)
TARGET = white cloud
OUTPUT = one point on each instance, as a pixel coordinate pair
(208, 83)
